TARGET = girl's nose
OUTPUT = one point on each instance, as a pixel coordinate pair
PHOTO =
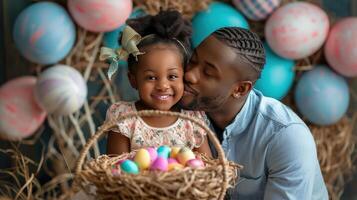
(163, 85)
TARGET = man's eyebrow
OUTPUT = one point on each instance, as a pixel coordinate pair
(211, 65)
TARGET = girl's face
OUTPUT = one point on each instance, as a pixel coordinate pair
(158, 77)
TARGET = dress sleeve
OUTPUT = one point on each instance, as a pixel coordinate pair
(199, 134)
(125, 127)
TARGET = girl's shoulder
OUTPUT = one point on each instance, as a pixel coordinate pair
(121, 107)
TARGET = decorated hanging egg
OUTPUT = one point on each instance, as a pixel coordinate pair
(195, 163)
(142, 159)
(297, 30)
(163, 151)
(256, 9)
(61, 90)
(44, 33)
(160, 164)
(216, 16)
(341, 47)
(153, 153)
(175, 166)
(185, 154)
(100, 15)
(20, 115)
(129, 167)
(174, 151)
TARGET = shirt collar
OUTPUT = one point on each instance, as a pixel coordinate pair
(244, 117)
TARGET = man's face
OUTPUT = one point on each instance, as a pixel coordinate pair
(210, 76)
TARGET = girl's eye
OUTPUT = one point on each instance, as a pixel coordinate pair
(151, 78)
(173, 77)
(207, 72)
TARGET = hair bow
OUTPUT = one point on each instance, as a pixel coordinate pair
(129, 41)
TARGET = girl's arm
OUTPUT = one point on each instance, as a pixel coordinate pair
(117, 143)
(204, 148)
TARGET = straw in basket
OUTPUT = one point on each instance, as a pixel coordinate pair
(210, 182)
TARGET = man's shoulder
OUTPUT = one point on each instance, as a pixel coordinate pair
(274, 111)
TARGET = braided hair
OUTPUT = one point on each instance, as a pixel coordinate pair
(168, 27)
(246, 44)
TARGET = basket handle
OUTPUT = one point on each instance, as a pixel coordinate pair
(110, 124)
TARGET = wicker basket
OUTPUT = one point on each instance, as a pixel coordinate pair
(210, 182)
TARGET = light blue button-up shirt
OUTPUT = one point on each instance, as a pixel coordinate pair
(277, 151)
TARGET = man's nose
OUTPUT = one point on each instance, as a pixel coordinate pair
(192, 75)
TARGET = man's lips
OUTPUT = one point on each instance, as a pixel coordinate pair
(190, 90)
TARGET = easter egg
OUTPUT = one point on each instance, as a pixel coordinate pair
(44, 33)
(142, 159)
(129, 167)
(163, 151)
(256, 9)
(297, 30)
(322, 96)
(195, 163)
(175, 166)
(153, 153)
(341, 47)
(216, 16)
(277, 76)
(172, 160)
(160, 164)
(115, 172)
(174, 151)
(61, 90)
(20, 115)
(100, 15)
(185, 154)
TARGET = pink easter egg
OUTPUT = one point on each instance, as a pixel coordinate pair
(153, 153)
(100, 15)
(172, 160)
(195, 163)
(160, 164)
(256, 9)
(341, 47)
(20, 115)
(297, 30)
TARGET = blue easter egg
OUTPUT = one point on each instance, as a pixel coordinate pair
(44, 33)
(164, 151)
(277, 76)
(129, 167)
(110, 39)
(216, 16)
(322, 96)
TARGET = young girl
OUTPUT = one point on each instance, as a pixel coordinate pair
(156, 69)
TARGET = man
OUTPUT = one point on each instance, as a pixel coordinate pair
(273, 144)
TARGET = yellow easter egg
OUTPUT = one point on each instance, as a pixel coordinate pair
(174, 151)
(142, 159)
(175, 166)
(185, 154)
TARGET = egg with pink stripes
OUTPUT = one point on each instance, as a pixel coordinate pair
(61, 90)
(100, 15)
(297, 30)
(341, 47)
(20, 115)
(256, 9)
(44, 33)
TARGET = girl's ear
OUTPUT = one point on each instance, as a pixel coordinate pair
(132, 80)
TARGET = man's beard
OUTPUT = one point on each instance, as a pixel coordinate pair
(207, 104)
